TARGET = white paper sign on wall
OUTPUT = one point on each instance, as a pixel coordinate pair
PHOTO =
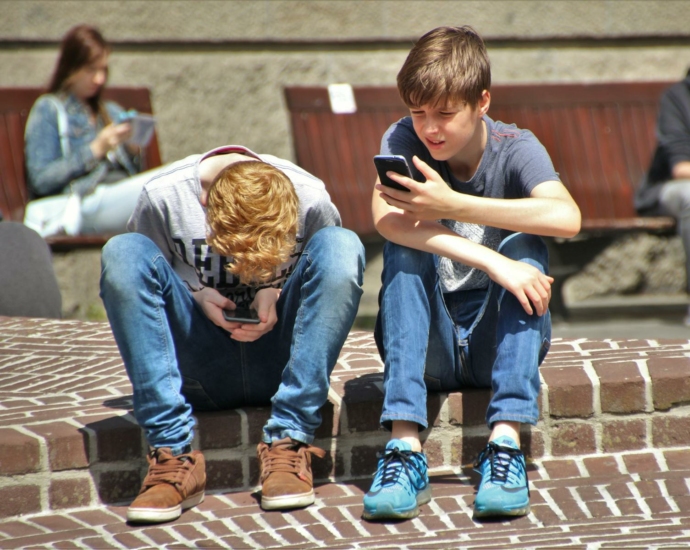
(342, 98)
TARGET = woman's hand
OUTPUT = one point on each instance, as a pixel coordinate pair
(110, 137)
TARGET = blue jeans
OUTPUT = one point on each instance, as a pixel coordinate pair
(178, 360)
(443, 342)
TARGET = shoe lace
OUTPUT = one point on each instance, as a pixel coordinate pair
(395, 462)
(500, 459)
(290, 458)
(166, 468)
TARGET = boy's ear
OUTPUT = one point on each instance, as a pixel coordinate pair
(484, 102)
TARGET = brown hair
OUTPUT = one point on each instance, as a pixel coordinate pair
(80, 46)
(252, 213)
(447, 64)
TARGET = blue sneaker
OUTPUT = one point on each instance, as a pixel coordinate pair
(503, 490)
(401, 484)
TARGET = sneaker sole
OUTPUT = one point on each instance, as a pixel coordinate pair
(160, 515)
(387, 512)
(493, 513)
(287, 501)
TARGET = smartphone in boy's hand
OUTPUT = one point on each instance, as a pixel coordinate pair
(241, 315)
(392, 163)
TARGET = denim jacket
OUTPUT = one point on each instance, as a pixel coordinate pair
(49, 172)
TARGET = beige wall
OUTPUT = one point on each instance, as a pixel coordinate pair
(217, 68)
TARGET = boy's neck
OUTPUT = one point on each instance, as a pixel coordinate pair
(464, 164)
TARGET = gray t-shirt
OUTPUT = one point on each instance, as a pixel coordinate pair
(512, 165)
(170, 214)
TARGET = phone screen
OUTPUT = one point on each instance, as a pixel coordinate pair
(241, 315)
(392, 163)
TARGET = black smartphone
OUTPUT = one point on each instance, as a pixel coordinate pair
(392, 163)
(241, 315)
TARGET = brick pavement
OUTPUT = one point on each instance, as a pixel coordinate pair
(609, 457)
(615, 500)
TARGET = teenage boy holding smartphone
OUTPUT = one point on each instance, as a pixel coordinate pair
(217, 231)
(465, 284)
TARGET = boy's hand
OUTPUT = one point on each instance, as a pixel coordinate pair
(430, 200)
(212, 303)
(529, 285)
(265, 305)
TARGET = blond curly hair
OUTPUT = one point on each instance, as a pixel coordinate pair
(252, 213)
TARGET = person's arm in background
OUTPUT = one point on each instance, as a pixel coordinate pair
(674, 129)
(48, 170)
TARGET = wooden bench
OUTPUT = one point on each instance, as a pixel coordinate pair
(15, 104)
(600, 137)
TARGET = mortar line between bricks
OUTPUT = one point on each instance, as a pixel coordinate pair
(609, 500)
(236, 528)
(545, 413)
(265, 526)
(442, 516)
(297, 526)
(546, 495)
(44, 472)
(580, 503)
(648, 389)
(644, 507)
(596, 403)
(323, 520)
(210, 535)
(664, 493)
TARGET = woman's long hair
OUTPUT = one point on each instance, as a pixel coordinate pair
(80, 46)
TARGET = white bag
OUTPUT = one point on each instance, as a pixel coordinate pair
(54, 215)
(59, 213)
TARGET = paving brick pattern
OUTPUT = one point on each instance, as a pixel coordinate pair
(615, 500)
(609, 457)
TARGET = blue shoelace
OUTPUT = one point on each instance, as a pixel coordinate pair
(500, 458)
(391, 472)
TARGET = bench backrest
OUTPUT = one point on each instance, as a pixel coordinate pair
(600, 138)
(15, 104)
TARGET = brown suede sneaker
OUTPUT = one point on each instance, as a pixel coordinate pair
(172, 484)
(286, 478)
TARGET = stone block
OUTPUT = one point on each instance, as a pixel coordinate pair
(670, 380)
(219, 429)
(69, 493)
(622, 387)
(224, 474)
(468, 407)
(116, 486)
(624, 435)
(19, 453)
(572, 438)
(670, 431)
(68, 447)
(117, 439)
(19, 499)
(570, 392)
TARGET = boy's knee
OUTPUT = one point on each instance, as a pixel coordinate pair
(340, 246)
(407, 260)
(123, 258)
(524, 247)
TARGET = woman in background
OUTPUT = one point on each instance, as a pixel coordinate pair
(75, 145)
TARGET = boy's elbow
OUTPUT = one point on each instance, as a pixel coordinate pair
(572, 224)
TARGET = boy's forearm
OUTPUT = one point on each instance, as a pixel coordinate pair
(545, 216)
(432, 237)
